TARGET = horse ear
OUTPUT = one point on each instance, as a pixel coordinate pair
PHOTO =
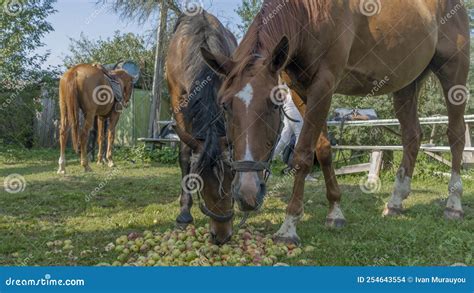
(219, 63)
(280, 55)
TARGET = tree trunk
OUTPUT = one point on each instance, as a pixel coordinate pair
(153, 125)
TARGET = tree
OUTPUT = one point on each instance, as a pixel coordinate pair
(22, 25)
(141, 11)
(247, 12)
(111, 50)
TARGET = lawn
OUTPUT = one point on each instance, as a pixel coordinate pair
(94, 209)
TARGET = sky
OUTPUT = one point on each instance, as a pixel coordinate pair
(97, 21)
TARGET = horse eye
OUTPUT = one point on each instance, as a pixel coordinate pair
(225, 106)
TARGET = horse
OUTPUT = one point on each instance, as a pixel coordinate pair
(193, 87)
(341, 47)
(86, 87)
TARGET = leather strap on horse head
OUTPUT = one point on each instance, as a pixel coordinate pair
(250, 166)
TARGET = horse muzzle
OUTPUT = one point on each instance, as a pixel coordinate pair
(248, 190)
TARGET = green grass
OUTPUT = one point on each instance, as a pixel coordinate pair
(141, 196)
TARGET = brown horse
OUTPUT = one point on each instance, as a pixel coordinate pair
(193, 87)
(85, 87)
(344, 47)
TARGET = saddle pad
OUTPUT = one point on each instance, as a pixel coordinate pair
(116, 88)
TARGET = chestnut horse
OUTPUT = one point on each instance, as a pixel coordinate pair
(345, 47)
(193, 87)
(85, 87)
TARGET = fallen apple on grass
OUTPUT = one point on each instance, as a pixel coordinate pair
(192, 247)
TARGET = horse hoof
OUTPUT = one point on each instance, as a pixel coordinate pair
(452, 214)
(61, 172)
(392, 211)
(295, 240)
(87, 169)
(111, 164)
(335, 223)
(184, 219)
(100, 163)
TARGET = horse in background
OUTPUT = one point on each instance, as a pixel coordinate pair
(193, 87)
(85, 87)
(342, 47)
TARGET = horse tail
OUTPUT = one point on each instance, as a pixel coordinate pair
(72, 109)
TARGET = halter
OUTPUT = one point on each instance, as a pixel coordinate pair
(246, 166)
(206, 211)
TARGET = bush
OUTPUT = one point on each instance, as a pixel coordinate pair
(144, 154)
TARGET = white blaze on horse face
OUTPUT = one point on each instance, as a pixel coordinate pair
(455, 192)
(246, 95)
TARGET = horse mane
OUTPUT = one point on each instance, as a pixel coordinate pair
(203, 112)
(272, 23)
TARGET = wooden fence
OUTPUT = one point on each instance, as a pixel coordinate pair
(133, 122)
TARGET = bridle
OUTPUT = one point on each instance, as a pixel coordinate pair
(228, 216)
(246, 166)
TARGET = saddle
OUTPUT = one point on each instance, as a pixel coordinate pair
(113, 82)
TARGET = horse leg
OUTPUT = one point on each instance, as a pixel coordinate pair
(100, 140)
(405, 104)
(451, 66)
(335, 218)
(186, 201)
(88, 124)
(63, 131)
(318, 104)
(113, 120)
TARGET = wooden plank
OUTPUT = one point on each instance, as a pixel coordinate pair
(438, 158)
(394, 122)
(436, 149)
(359, 168)
(467, 156)
(375, 164)
(158, 140)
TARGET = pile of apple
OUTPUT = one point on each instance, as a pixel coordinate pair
(192, 247)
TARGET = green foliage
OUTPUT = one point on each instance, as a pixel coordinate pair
(247, 12)
(144, 154)
(111, 50)
(22, 28)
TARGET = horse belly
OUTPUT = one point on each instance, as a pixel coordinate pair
(390, 50)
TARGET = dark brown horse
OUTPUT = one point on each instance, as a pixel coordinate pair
(345, 47)
(193, 87)
(85, 87)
